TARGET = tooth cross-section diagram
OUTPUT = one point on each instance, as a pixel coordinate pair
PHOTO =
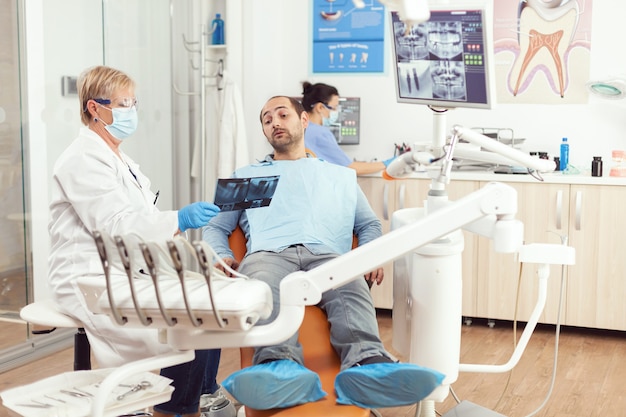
(545, 33)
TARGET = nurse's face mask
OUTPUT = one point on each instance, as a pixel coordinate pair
(124, 113)
(333, 115)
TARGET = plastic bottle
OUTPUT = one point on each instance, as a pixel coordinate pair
(564, 159)
(217, 28)
(596, 166)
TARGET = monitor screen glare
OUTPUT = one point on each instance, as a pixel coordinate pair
(443, 62)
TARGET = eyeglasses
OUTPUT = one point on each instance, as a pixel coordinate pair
(336, 108)
(124, 102)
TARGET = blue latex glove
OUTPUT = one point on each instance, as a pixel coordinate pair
(386, 162)
(196, 215)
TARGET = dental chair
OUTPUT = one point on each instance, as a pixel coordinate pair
(319, 357)
(47, 315)
(182, 296)
(194, 306)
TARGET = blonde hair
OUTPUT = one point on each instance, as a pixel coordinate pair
(99, 82)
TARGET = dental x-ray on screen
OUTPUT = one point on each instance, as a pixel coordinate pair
(445, 61)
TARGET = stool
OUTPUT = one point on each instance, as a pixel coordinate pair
(47, 313)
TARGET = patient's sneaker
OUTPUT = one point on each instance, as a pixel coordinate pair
(217, 405)
(206, 400)
(377, 385)
(276, 384)
(220, 408)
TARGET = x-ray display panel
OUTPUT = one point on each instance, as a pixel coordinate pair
(348, 125)
(444, 62)
(347, 128)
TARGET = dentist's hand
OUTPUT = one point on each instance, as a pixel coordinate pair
(196, 215)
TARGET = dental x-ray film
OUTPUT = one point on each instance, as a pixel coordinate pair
(245, 193)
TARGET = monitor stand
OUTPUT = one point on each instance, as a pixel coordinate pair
(440, 130)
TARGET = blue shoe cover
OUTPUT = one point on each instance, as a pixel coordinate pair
(385, 384)
(277, 384)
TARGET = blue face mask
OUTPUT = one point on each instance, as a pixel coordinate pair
(331, 119)
(124, 122)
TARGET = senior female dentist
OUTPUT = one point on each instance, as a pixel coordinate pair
(97, 186)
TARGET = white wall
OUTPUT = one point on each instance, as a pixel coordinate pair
(276, 52)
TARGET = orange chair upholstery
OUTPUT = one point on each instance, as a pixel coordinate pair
(319, 356)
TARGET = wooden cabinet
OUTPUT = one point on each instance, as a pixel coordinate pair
(381, 195)
(501, 292)
(596, 286)
(496, 286)
(590, 218)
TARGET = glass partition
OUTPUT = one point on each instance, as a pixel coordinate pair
(35, 109)
(14, 262)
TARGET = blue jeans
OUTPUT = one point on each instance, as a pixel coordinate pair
(190, 380)
(349, 308)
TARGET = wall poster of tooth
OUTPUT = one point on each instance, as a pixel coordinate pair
(542, 51)
(346, 38)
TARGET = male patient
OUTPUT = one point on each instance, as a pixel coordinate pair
(316, 209)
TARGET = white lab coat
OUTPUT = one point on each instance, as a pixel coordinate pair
(229, 150)
(233, 150)
(93, 188)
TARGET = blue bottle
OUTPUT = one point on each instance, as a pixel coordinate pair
(217, 28)
(564, 160)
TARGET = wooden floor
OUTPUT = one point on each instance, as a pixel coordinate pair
(590, 381)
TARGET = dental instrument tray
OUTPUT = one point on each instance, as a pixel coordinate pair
(72, 394)
(171, 284)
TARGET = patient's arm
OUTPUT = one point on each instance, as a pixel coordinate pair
(230, 262)
(375, 276)
(217, 231)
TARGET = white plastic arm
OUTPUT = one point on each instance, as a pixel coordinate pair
(544, 272)
(406, 163)
(544, 255)
(286, 324)
(507, 153)
(494, 199)
(303, 288)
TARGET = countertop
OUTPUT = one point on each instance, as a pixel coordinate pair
(557, 177)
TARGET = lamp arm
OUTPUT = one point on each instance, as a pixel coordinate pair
(508, 152)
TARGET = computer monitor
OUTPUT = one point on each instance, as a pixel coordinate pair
(447, 61)
(348, 126)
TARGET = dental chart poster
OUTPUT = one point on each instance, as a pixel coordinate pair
(347, 39)
(542, 51)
